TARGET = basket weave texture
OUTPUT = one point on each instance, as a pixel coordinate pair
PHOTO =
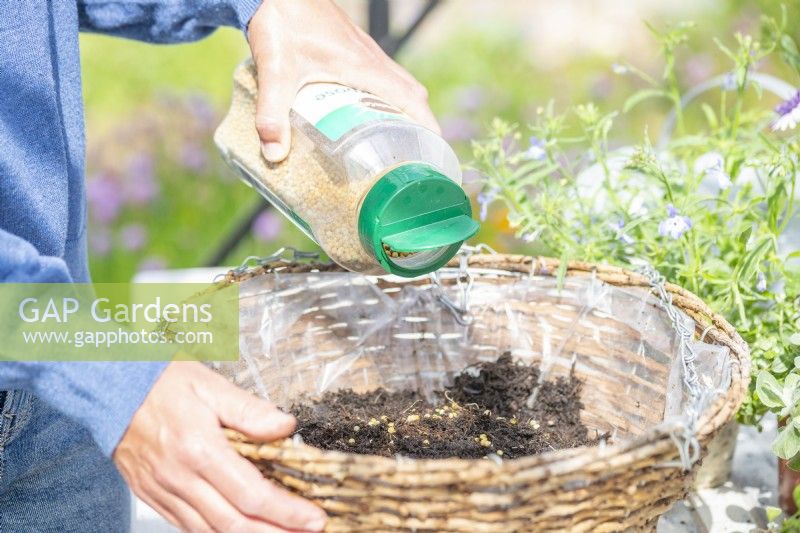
(622, 486)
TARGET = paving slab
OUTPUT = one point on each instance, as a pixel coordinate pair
(738, 505)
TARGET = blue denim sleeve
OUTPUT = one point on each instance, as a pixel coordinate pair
(21, 263)
(164, 21)
(101, 396)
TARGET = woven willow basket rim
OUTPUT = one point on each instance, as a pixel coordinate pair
(655, 445)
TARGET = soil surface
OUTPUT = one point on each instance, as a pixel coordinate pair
(484, 412)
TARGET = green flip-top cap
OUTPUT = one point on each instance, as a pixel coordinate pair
(419, 213)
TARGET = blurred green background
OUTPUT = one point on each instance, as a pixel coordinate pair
(161, 197)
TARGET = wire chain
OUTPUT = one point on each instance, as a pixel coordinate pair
(685, 437)
(254, 261)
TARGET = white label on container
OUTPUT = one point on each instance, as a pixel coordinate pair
(336, 109)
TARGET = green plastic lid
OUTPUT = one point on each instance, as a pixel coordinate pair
(414, 219)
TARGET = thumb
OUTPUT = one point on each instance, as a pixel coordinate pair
(276, 93)
(248, 414)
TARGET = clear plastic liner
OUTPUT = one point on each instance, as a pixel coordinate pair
(304, 334)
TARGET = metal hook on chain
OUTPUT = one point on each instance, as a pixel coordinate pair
(254, 261)
(686, 436)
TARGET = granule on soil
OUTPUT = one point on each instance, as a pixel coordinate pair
(483, 412)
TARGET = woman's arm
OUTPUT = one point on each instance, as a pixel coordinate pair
(160, 421)
(101, 396)
(163, 21)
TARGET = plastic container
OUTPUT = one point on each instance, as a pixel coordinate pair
(378, 192)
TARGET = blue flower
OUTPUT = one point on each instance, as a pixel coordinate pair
(761, 282)
(729, 83)
(675, 225)
(457, 128)
(202, 109)
(618, 226)
(484, 199)
(105, 198)
(470, 98)
(134, 237)
(152, 263)
(717, 171)
(193, 157)
(267, 226)
(788, 114)
(535, 151)
(141, 186)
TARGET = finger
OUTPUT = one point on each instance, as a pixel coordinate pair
(277, 88)
(220, 514)
(240, 482)
(223, 516)
(244, 412)
(423, 114)
(171, 507)
(382, 57)
(272, 117)
(419, 108)
(160, 509)
(410, 96)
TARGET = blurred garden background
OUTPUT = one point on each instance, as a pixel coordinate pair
(161, 197)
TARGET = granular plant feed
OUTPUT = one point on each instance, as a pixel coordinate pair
(378, 192)
(482, 413)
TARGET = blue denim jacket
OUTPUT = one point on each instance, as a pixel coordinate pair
(42, 199)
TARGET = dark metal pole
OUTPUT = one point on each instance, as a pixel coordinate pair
(391, 45)
(238, 234)
(379, 18)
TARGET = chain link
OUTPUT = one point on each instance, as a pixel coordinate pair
(254, 261)
(685, 436)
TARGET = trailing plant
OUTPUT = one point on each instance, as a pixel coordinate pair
(710, 203)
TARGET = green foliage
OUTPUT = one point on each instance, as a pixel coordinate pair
(150, 114)
(708, 207)
(119, 75)
(790, 524)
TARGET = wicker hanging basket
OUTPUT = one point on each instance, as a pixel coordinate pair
(625, 485)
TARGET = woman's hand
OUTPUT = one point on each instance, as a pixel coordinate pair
(296, 42)
(176, 458)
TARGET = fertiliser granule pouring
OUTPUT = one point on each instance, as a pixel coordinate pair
(378, 192)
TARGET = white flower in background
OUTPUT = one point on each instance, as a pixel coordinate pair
(761, 282)
(535, 151)
(484, 199)
(675, 225)
(712, 165)
(620, 69)
(632, 190)
(788, 114)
